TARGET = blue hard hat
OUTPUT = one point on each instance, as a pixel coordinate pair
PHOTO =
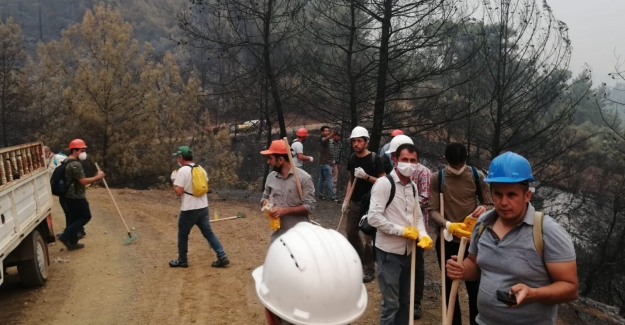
(509, 167)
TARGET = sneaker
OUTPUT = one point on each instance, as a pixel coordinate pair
(368, 278)
(178, 263)
(335, 200)
(417, 310)
(221, 262)
(76, 246)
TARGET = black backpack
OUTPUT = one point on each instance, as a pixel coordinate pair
(57, 181)
(476, 179)
(365, 201)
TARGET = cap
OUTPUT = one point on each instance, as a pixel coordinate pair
(183, 150)
(277, 147)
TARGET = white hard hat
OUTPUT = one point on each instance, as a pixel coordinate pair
(312, 276)
(398, 141)
(359, 132)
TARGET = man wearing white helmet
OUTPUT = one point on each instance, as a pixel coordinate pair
(311, 276)
(367, 166)
(391, 211)
(421, 177)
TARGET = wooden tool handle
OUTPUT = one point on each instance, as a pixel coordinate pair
(455, 284)
(294, 170)
(347, 198)
(112, 198)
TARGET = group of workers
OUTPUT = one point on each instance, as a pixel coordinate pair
(311, 275)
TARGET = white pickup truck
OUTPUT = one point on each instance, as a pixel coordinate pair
(25, 213)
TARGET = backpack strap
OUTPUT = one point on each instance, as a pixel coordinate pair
(373, 160)
(392, 196)
(192, 166)
(441, 177)
(478, 186)
(537, 231)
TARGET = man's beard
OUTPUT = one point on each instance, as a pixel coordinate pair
(277, 169)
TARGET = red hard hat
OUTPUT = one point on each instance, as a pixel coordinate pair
(277, 147)
(396, 133)
(302, 132)
(77, 144)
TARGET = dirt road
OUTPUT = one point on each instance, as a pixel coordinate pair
(111, 283)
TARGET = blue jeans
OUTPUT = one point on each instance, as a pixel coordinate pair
(186, 221)
(394, 282)
(324, 181)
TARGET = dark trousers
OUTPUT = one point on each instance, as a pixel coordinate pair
(353, 236)
(473, 287)
(419, 276)
(77, 215)
(68, 216)
(186, 221)
(394, 281)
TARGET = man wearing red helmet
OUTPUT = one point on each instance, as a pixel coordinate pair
(74, 202)
(281, 190)
(297, 148)
(386, 158)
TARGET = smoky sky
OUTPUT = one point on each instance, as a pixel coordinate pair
(597, 33)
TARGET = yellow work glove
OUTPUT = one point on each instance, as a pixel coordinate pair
(411, 232)
(425, 242)
(458, 229)
(469, 223)
(274, 223)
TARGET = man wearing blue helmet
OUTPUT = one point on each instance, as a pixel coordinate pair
(525, 261)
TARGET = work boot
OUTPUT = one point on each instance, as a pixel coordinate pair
(368, 278)
(178, 263)
(76, 246)
(417, 310)
(221, 262)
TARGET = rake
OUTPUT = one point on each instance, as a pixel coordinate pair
(131, 237)
(238, 216)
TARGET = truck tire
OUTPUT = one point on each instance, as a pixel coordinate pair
(34, 272)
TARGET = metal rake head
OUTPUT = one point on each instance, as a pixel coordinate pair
(131, 238)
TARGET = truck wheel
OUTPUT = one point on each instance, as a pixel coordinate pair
(34, 272)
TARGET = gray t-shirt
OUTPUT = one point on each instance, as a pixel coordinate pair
(297, 147)
(512, 260)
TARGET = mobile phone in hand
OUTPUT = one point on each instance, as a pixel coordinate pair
(506, 298)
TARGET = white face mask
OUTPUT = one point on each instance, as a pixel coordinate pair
(82, 156)
(406, 168)
(457, 171)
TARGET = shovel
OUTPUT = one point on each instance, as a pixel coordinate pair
(131, 237)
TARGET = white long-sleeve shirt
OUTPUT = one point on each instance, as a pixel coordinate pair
(390, 221)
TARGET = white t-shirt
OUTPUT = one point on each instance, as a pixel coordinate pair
(184, 180)
(55, 162)
(297, 147)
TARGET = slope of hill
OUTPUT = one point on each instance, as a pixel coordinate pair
(154, 21)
